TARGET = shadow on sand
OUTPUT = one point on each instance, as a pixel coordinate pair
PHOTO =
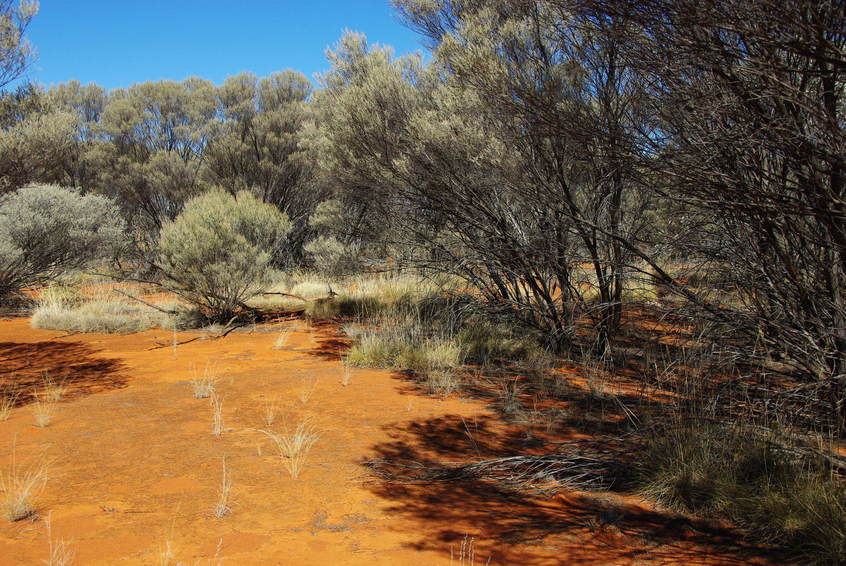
(72, 365)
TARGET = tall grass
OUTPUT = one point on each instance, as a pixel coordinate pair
(752, 480)
(105, 314)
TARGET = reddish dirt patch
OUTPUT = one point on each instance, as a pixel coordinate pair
(134, 467)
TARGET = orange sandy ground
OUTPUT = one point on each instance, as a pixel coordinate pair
(134, 468)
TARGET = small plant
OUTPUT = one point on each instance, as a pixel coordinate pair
(20, 487)
(204, 385)
(217, 413)
(294, 447)
(271, 409)
(307, 389)
(222, 507)
(59, 554)
(53, 391)
(282, 338)
(466, 553)
(7, 403)
(442, 383)
(345, 376)
(43, 412)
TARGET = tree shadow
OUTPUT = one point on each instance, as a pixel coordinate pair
(519, 527)
(75, 366)
(331, 345)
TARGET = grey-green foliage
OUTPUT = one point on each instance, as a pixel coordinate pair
(332, 250)
(148, 151)
(254, 145)
(47, 230)
(16, 53)
(217, 252)
(33, 148)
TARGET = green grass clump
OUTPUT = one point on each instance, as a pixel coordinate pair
(484, 343)
(754, 482)
(399, 350)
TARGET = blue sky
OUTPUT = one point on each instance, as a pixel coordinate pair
(119, 42)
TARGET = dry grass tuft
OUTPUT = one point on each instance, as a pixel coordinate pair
(217, 413)
(307, 389)
(294, 446)
(203, 385)
(345, 376)
(53, 391)
(59, 554)
(8, 401)
(222, 508)
(466, 553)
(271, 409)
(43, 412)
(282, 338)
(20, 487)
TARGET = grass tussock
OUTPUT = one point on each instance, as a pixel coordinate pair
(203, 385)
(43, 412)
(753, 481)
(270, 410)
(54, 391)
(105, 315)
(222, 507)
(8, 400)
(20, 487)
(293, 446)
(385, 349)
(58, 552)
(217, 413)
(282, 338)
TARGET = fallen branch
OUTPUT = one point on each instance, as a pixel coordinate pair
(571, 470)
(143, 302)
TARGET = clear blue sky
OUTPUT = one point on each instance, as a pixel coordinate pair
(119, 42)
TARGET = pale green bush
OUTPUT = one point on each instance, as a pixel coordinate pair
(217, 253)
(48, 230)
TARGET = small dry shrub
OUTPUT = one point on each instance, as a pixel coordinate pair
(20, 487)
(294, 446)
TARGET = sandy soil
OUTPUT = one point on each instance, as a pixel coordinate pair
(134, 468)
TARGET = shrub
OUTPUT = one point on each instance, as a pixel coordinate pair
(753, 481)
(47, 230)
(331, 257)
(217, 252)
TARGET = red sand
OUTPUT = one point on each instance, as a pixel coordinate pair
(134, 468)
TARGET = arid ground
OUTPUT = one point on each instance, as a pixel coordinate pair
(134, 472)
